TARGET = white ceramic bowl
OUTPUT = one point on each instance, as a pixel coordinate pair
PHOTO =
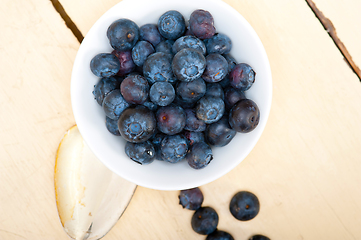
(90, 118)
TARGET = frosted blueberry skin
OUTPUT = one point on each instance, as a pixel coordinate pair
(191, 91)
(114, 104)
(219, 235)
(171, 119)
(158, 68)
(201, 24)
(150, 33)
(242, 77)
(173, 148)
(112, 126)
(105, 86)
(219, 43)
(210, 109)
(193, 124)
(165, 46)
(137, 124)
(220, 133)
(104, 65)
(162, 93)
(244, 116)
(214, 90)
(216, 68)
(127, 64)
(142, 153)
(193, 137)
(188, 42)
(171, 25)
(231, 61)
(244, 206)
(135, 89)
(141, 51)
(123, 34)
(188, 64)
(191, 199)
(200, 155)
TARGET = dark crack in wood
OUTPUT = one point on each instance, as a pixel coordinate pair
(69, 23)
(331, 30)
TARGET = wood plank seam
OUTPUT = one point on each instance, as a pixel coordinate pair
(331, 30)
(69, 23)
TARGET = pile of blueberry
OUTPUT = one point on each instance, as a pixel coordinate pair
(244, 206)
(173, 91)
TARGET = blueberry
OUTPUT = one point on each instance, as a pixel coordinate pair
(188, 64)
(150, 105)
(191, 199)
(210, 109)
(205, 220)
(171, 119)
(112, 126)
(104, 65)
(200, 155)
(165, 46)
(137, 124)
(219, 43)
(141, 51)
(242, 76)
(114, 104)
(219, 134)
(259, 237)
(188, 32)
(231, 61)
(193, 137)
(150, 33)
(123, 34)
(225, 82)
(142, 153)
(162, 93)
(179, 101)
(214, 90)
(135, 89)
(191, 91)
(105, 86)
(188, 42)
(201, 24)
(244, 116)
(156, 141)
(232, 96)
(216, 68)
(173, 148)
(158, 68)
(219, 235)
(127, 64)
(192, 122)
(171, 24)
(244, 206)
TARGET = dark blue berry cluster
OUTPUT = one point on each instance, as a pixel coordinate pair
(172, 90)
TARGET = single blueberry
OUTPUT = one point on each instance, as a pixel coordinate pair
(219, 235)
(173, 148)
(259, 237)
(135, 89)
(231, 61)
(127, 64)
(188, 42)
(216, 68)
(219, 43)
(193, 137)
(191, 199)
(200, 155)
(242, 77)
(123, 34)
(192, 122)
(105, 86)
(188, 64)
(219, 134)
(104, 65)
(142, 153)
(158, 68)
(232, 96)
(171, 24)
(244, 116)
(114, 104)
(205, 220)
(112, 126)
(141, 51)
(244, 206)
(171, 119)
(210, 109)
(191, 91)
(149, 32)
(165, 46)
(201, 24)
(162, 93)
(214, 90)
(137, 124)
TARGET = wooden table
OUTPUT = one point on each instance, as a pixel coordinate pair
(306, 168)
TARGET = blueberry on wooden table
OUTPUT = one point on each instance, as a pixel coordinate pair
(210, 109)
(193, 137)
(104, 65)
(216, 68)
(105, 86)
(242, 77)
(135, 89)
(114, 104)
(142, 153)
(112, 126)
(189, 42)
(188, 64)
(201, 24)
(220, 133)
(204, 220)
(165, 47)
(259, 237)
(191, 91)
(192, 122)
(158, 68)
(219, 235)
(171, 119)
(244, 116)
(244, 206)
(219, 43)
(232, 96)
(173, 148)
(149, 32)
(214, 90)
(191, 199)
(200, 155)
(162, 93)
(127, 64)
(137, 124)
(141, 51)
(171, 25)
(123, 34)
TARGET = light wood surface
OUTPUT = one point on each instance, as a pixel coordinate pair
(305, 169)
